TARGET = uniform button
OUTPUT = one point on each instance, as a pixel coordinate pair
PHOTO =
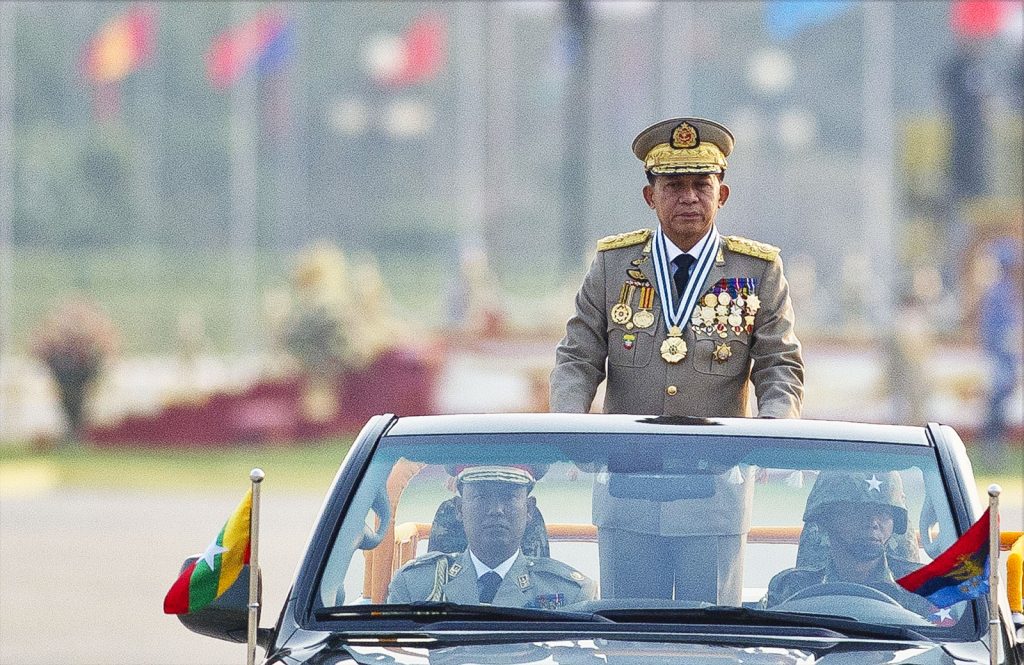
(671, 390)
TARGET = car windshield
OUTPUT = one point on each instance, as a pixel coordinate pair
(619, 523)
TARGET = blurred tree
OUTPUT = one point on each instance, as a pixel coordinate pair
(75, 187)
(74, 340)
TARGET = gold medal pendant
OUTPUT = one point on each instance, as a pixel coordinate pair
(643, 318)
(621, 313)
(673, 349)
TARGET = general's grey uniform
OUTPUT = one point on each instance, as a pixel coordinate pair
(739, 333)
(765, 352)
(531, 582)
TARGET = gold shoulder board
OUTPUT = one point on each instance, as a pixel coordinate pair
(623, 240)
(760, 250)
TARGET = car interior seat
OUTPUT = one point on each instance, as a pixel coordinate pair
(448, 535)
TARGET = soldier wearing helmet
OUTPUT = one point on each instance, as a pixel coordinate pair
(859, 514)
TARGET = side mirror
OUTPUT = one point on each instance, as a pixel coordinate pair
(227, 617)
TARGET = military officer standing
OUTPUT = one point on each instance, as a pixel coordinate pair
(681, 321)
(494, 506)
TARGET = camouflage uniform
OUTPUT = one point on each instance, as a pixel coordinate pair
(790, 581)
(830, 490)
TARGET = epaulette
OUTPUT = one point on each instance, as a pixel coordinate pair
(555, 567)
(760, 250)
(623, 240)
(429, 557)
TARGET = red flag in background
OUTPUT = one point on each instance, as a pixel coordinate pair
(981, 18)
(264, 42)
(423, 52)
(120, 47)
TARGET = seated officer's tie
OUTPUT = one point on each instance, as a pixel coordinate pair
(682, 276)
(488, 584)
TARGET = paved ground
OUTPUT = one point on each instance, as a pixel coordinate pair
(83, 573)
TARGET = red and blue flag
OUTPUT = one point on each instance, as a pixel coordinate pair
(264, 44)
(960, 573)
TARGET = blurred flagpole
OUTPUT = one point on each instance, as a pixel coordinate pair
(878, 156)
(675, 95)
(577, 118)
(468, 55)
(149, 156)
(7, 15)
(500, 114)
(243, 201)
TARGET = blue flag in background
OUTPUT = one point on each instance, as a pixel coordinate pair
(277, 50)
(785, 19)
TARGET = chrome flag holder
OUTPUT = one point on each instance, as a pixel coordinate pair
(256, 476)
(994, 634)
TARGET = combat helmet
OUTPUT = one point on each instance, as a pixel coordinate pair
(884, 488)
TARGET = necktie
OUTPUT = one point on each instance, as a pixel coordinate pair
(682, 276)
(488, 584)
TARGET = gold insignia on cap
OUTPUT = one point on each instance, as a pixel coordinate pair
(684, 146)
(705, 158)
(685, 136)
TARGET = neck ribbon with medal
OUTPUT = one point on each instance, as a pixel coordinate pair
(673, 349)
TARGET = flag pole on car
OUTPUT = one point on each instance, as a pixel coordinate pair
(994, 636)
(256, 476)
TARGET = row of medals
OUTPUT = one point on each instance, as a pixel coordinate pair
(716, 315)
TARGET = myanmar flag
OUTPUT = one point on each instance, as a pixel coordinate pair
(209, 576)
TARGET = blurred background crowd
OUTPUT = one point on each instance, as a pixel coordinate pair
(267, 221)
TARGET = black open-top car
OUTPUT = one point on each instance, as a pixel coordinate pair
(823, 518)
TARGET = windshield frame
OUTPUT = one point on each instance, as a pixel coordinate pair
(367, 446)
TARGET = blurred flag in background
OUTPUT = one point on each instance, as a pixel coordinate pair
(120, 47)
(264, 44)
(419, 53)
(785, 19)
(977, 19)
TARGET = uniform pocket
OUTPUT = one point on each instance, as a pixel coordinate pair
(626, 352)
(707, 361)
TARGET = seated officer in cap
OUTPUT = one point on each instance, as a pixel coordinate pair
(681, 321)
(859, 514)
(494, 504)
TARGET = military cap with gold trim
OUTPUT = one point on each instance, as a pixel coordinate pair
(684, 145)
(518, 474)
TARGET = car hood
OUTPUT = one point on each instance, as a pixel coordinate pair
(614, 651)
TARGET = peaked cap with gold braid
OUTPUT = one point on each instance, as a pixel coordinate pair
(684, 145)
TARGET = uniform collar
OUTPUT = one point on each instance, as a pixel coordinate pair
(502, 568)
(673, 250)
